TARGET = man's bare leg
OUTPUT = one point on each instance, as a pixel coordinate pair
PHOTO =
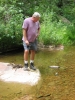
(32, 55)
(26, 53)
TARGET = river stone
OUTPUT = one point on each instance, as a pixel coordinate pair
(54, 66)
(10, 74)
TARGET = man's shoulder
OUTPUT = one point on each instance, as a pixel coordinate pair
(27, 19)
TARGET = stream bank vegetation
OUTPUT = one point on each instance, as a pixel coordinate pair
(57, 22)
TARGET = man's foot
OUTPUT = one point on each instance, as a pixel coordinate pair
(26, 67)
(32, 66)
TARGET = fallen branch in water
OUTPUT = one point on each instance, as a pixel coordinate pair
(15, 65)
(43, 96)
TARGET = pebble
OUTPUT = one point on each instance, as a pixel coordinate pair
(56, 73)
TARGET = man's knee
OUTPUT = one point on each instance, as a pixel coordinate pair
(26, 51)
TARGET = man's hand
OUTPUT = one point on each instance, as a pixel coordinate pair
(27, 42)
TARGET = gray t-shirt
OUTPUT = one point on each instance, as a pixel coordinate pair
(32, 28)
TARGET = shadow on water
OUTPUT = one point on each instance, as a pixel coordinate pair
(56, 84)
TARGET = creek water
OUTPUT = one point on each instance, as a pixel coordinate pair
(55, 84)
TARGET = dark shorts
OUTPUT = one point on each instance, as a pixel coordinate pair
(31, 46)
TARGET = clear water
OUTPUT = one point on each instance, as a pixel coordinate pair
(56, 84)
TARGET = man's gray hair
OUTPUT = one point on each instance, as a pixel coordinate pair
(36, 14)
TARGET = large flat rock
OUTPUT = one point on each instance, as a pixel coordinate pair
(10, 74)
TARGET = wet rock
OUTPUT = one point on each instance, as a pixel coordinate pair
(41, 46)
(54, 66)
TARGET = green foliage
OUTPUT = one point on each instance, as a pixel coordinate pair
(53, 30)
(56, 32)
(10, 28)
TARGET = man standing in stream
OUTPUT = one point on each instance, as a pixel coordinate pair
(31, 30)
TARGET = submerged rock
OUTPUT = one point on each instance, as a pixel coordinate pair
(54, 66)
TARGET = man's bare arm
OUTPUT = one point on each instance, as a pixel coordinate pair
(25, 36)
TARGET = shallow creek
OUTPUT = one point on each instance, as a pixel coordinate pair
(55, 84)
